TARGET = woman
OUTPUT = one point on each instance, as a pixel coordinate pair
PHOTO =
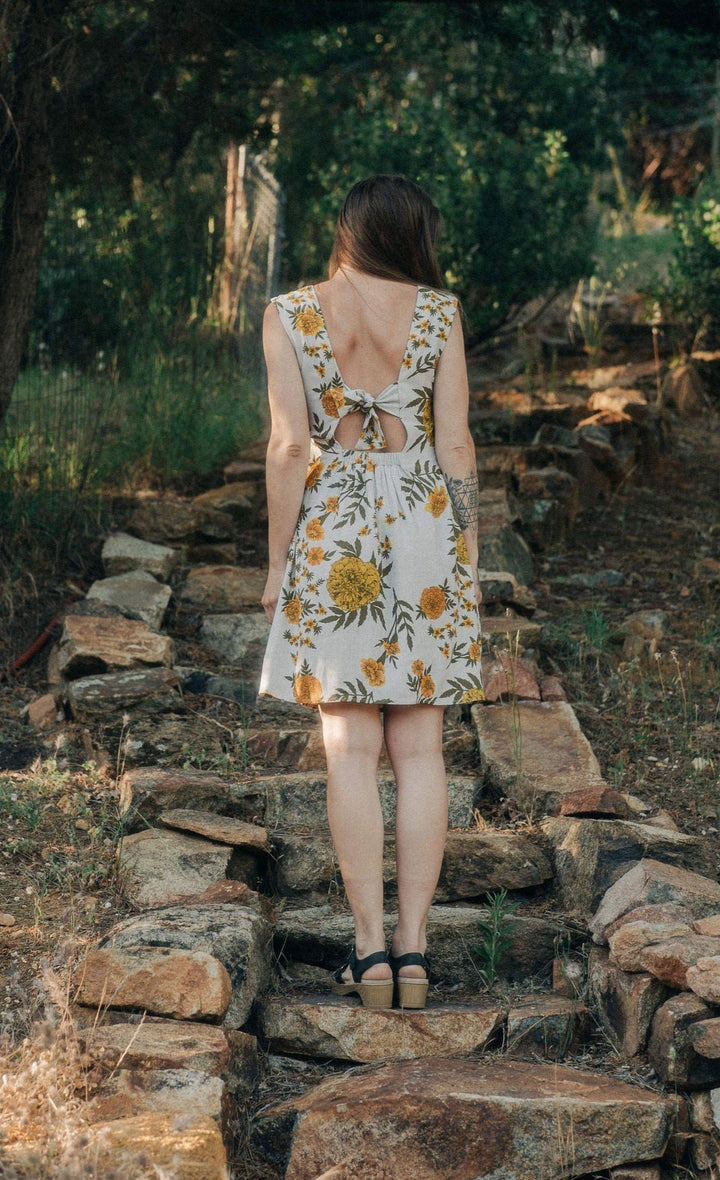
(372, 587)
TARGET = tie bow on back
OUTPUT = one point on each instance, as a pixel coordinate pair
(359, 400)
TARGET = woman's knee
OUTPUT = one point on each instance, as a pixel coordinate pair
(413, 731)
(352, 731)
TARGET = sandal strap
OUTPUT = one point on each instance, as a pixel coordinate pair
(358, 967)
(411, 959)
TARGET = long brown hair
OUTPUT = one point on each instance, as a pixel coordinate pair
(388, 226)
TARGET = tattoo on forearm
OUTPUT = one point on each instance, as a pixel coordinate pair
(465, 496)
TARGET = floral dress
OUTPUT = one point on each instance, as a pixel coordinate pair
(377, 603)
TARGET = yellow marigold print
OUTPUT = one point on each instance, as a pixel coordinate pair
(437, 502)
(314, 472)
(314, 530)
(474, 652)
(432, 602)
(392, 648)
(462, 549)
(293, 610)
(308, 322)
(353, 583)
(417, 667)
(373, 672)
(428, 421)
(427, 686)
(315, 555)
(473, 694)
(333, 401)
(307, 690)
(332, 504)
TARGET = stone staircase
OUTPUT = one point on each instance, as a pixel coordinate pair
(217, 1049)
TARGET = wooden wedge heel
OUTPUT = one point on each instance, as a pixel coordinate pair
(374, 993)
(411, 993)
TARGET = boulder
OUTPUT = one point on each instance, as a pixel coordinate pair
(180, 1092)
(183, 984)
(160, 868)
(136, 594)
(220, 828)
(683, 389)
(709, 925)
(669, 961)
(589, 854)
(705, 1038)
(596, 802)
(629, 940)
(139, 691)
(534, 752)
(549, 504)
(178, 522)
(245, 469)
(433, 1119)
(315, 1026)
(626, 1003)
(122, 553)
(615, 397)
(239, 640)
(238, 498)
(671, 1050)
(509, 631)
(223, 589)
(508, 676)
(651, 882)
(703, 977)
(147, 791)
(238, 937)
(89, 646)
(148, 1145)
(547, 1026)
(44, 712)
(297, 802)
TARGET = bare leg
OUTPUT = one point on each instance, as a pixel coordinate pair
(352, 735)
(413, 736)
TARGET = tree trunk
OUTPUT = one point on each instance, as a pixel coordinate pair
(27, 186)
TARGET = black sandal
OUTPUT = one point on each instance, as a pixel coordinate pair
(412, 993)
(374, 993)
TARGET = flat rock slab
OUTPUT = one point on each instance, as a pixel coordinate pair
(317, 935)
(547, 1026)
(239, 640)
(650, 882)
(183, 984)
(498, 631)
(150, 1145)
(141, 691)
(297, 802)
(136, 594)
(315, 1026)
(122, 553)
(505, 1120)
(221, 829)
(90, 646)
(597, 802)
(534, 752)
(158, 1045)
(160, 868)
(703, 978)
(147, 791)
(179, 522)
(507, 676)
(629, 939)
(475, 863)
(180, 1092)
(590, 854)
(238, 937)
(223, 589)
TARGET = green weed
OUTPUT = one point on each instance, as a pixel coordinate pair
(496, 935)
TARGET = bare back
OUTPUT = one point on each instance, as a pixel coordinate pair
(368, 320)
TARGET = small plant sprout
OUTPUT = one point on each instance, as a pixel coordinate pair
(496, 935)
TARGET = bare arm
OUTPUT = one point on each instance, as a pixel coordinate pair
(288, 450)
(454, 445)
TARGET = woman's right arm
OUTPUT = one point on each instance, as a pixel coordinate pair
(288, 450)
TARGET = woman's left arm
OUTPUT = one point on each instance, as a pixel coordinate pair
(454, 444)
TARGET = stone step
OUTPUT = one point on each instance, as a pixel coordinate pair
(147, 1145)
(534, 752)
(475, 863)
(296, 802)
(320, 935)
(449, 1117)
(343, 1030)
(146, 791)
